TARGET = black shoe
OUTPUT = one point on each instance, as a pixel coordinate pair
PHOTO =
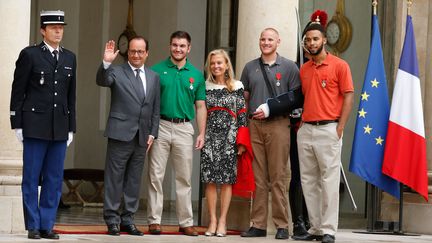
(281, 234)
(254, 232)
(33, 234)
(307, 237)
(49, 234)
(328, 238)
(131, 229)
(299, 228)
(113, 229)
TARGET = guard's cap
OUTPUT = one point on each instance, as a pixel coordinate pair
(52, 17)
(318, 22)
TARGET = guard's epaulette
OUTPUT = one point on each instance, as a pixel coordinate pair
(31, 46)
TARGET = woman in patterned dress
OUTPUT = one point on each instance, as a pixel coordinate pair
(226, 113)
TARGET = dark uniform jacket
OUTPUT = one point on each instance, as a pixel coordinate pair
(43, 94)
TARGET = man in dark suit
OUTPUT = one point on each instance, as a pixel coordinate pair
(42, 112)
(132, 126)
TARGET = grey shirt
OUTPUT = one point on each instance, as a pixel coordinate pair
(254, 82)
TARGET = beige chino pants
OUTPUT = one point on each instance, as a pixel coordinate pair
(175, 142)
(319, 149)
(270, 143)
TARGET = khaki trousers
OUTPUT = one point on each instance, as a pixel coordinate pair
(175, 142)
(319, 150)
(270, 142)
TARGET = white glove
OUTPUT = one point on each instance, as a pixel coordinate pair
(70, 138)
(19, 135)
(265, 108)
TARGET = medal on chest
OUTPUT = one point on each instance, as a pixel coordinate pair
(278, 78)
(323, 83)
(191, 81)
(42, 79)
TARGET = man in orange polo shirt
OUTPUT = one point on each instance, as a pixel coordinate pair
(328, 89)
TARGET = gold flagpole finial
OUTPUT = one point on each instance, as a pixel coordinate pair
(374, 4)
(409, 4)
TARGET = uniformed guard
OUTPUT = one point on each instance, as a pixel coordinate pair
(42, 112)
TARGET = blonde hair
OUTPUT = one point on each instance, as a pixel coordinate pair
(229, 73)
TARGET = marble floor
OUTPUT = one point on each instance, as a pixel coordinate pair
(343, 236)
(94, 216)
(79, 215)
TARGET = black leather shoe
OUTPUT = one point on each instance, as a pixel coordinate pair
(328, 238)
(33, 234)
(49, 234)
(281, 234)
(254, 232)
(131, 229)
(299, 228)
(307, 237)
(113, 229)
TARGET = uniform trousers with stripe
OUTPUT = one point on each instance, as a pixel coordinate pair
(43, 162)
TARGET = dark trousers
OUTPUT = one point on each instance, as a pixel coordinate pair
(123, 170)
(42, 159)
(297, 202)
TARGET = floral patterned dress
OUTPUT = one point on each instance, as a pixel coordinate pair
(226, 113)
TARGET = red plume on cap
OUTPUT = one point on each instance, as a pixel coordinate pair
(319, 16)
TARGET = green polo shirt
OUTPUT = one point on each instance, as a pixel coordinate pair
(180, 88)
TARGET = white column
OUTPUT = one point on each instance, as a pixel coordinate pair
(18, 29)
(254, 16)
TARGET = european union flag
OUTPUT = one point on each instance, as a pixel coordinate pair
(372, 120)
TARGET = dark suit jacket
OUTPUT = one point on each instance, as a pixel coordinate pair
(43, 95)
(129, 113)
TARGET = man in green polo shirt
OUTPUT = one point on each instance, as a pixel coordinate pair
(182, 89)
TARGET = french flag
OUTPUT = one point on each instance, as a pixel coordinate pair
(405, 149)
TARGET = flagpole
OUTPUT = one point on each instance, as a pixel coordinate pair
(400, 231)
(371, 214)
(401, 185)
(409, 4)
(372, 192)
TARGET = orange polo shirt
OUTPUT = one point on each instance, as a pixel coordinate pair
(323, 87)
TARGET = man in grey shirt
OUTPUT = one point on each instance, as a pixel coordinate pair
(270, 136)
